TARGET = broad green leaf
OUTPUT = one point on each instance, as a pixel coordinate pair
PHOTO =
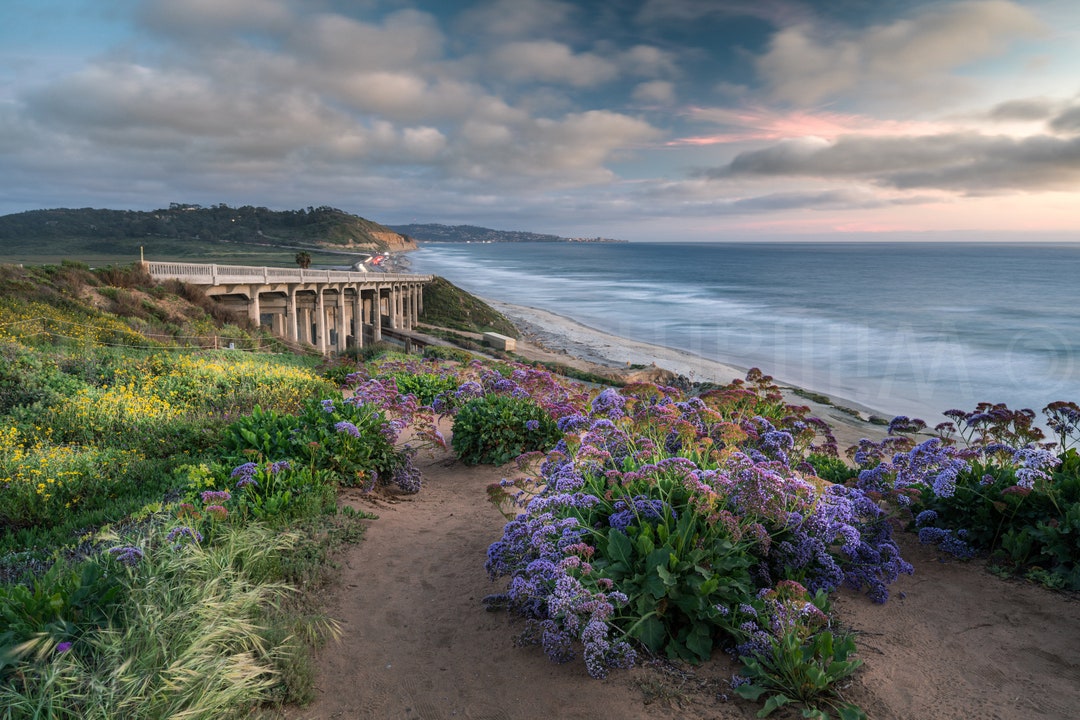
(651, 633)
(620, 548)
(700, 641)
(750, 692)
(774, 702)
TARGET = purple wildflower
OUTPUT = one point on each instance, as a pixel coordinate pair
(347, 427)
(181, 534)
(246, 470)
(63, 647)
(215, 497)
(127, 554)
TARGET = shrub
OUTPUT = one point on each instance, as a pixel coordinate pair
(426, 386)
(495, 429)
(442, 352)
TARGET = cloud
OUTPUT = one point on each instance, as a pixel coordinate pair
(340, 44)
(649, 61)
(908, 60)
(757, 122)
(779, 12)
(566, 152)
(551, 62)
(209, 20)
(964, 162)
(1068, 121)
(515, 19)
(655, 91)
(1025, 109)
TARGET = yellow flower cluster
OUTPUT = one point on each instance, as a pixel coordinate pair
(25, 321)
(114, 408)
(36, 467)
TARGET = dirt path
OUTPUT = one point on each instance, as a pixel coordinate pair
(955, 642)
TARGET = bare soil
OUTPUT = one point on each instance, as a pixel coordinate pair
(953, 642)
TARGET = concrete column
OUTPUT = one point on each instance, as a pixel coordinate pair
(358, 318)
(290, 312)
(376, 315)
(395, 298)
(320, 321)
(416, 290)
(341, 329)
(254, 311)
(304, 318)
(420, 299)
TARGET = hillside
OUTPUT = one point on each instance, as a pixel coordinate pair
(182, 231)
(434, 232)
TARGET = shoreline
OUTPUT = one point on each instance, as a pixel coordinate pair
(563, 335)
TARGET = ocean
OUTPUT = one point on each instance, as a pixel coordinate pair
(912, 329)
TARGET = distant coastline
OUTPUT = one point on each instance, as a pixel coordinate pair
(438, 233)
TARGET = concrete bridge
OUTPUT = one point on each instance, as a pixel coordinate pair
(328, 309)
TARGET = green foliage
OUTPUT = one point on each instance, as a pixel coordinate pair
(441, 352)
(425, 386)
(263, 433)
(60, 605)
(832, 468)
(280, 495)
(313, 438)
(804, 671)
(676, 574)
(182, 231)
(1036, 531)
(495, 429)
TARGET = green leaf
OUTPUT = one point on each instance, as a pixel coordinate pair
(700, 641)
(620, 549)
(773, 703)
(651, 633)
(666, 576)
(851, 712)
(750, 692)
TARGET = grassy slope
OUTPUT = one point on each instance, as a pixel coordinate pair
(447, 305)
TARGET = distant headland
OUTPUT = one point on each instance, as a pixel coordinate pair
(434, 232)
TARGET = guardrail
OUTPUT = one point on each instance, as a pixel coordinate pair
(210, 274)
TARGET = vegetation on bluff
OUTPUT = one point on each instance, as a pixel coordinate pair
(188, 231)
(448, 306)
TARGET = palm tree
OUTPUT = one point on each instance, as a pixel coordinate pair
(303, 259)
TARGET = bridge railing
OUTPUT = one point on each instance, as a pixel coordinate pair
(212, 274)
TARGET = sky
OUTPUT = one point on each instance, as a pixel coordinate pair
(681, 120)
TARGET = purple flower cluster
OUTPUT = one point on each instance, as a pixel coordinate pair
(644, 463)
(245, 474)
(1031, 465)
(348, 428)
(638, 509)
(127, 555)
(182, 534)
(215, 497)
